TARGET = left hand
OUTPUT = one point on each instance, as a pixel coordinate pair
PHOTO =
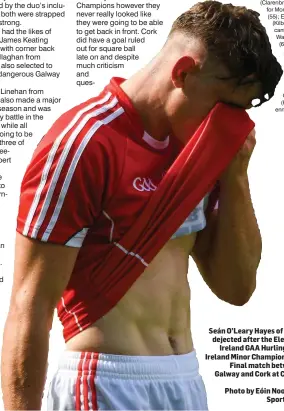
(239, 164)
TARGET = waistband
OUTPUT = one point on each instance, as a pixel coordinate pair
(128, 366)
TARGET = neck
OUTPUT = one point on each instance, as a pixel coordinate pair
(146, 93)
(162, 108)
(157, 104)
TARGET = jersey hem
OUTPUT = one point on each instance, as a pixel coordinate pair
(20, 229)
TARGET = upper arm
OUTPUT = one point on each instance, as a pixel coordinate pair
(41, 273)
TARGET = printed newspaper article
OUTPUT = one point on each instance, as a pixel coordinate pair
(141, 168)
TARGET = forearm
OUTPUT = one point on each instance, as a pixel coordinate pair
(24, 362)
(236, 248)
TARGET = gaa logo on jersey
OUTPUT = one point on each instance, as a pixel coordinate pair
(144, 184)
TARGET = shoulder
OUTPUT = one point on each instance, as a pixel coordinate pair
(88, 129)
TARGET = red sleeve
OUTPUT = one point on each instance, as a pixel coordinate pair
(62, 190)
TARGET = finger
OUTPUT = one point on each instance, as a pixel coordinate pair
(251, 139)
(252, 133)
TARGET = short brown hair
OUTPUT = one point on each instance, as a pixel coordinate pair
(236, 37)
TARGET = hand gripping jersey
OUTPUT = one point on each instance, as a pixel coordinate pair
(98, 181)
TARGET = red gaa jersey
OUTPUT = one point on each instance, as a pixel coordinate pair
(88, 180)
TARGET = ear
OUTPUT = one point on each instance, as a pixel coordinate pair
(184, 66)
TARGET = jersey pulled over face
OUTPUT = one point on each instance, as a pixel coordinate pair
(89, 179)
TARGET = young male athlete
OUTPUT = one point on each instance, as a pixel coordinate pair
(89, 179)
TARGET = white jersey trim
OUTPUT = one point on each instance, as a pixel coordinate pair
(119, 245)
(159, 145)
(131, 253)
(71, 313)
(112, 226)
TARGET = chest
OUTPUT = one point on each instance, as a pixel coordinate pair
(142, 173)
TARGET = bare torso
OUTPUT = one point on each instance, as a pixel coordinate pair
(153, 318)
